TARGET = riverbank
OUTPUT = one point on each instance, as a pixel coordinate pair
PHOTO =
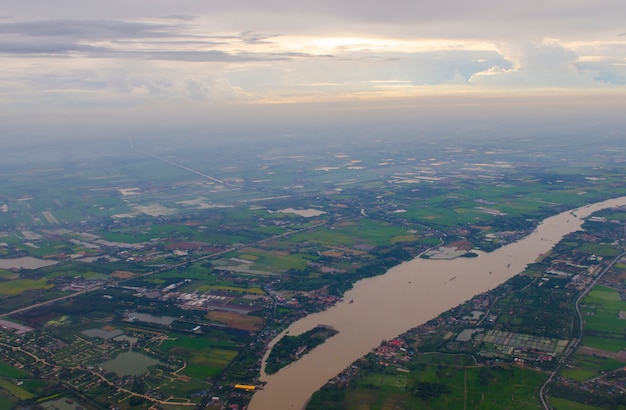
(404, 297)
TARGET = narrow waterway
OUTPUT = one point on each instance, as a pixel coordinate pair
(406, 296)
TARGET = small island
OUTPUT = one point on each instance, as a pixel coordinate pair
(291, 348)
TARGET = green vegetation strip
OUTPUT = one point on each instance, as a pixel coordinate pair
(15, 390)
(559, 403)
(17, 286)
(290, 348)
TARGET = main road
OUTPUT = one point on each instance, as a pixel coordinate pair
(576, 342)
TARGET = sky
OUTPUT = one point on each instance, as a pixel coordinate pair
(66, 64)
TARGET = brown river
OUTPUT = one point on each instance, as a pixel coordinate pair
(404, 297)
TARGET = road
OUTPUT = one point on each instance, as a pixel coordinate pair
(164, 268)
(49, 302)
(183, 167)
(574, 345)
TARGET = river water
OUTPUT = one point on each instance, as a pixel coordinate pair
(404, 297)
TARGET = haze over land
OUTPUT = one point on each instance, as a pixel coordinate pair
(202, 251)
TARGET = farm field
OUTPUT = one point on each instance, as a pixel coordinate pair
(603, 327)
(585, 366)
(198, 257)
(439, 386)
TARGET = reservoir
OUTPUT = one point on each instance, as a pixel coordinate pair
(404, 297)
(129, 364)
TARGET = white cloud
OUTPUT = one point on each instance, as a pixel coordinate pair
(545, 65)
(215, 88)
(142, 52)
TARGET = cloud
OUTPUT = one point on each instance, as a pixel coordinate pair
(182, 17)
(605, 71)
(49, 48)
(132, 40)
(140, 51)
(441, 19)
(251, 37)
(102, 38)
(215, 88)
(544, 65)
(197, 90)
(88, 29)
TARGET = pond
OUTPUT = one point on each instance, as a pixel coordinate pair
(129, 364)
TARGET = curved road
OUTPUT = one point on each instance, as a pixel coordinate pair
(544, 390)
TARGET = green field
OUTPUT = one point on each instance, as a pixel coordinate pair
(558, 403)
(183, 388)
(18, 286)
(582, 367)
(609, 342)
(438, 386)
(205, 357)
(598, 250)
(15, 390)
(437, 358)
(7, 401)
(398, 380)
(603, 327)
(11, 372)
(8, 275)
(578, 375)
(209, 363)
(505, 387)
(371, 231)
(439, 215)
(325, 237)
(273, 261)
(194, 343)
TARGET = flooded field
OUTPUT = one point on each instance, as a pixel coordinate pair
(307, 213)
(148, 318)
(26, 262)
